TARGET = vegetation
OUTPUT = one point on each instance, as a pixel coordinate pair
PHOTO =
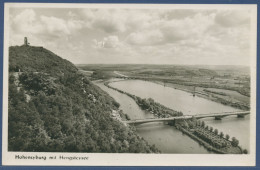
(238, 105)
(54, 108)
(38, 59)
(215, 92)
(156, 108)
(211, 139)
(98, 74)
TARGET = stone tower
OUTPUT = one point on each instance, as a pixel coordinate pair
(26, 41)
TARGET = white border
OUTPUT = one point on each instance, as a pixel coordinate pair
(100, 159)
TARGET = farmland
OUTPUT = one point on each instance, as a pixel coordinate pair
(229, 85)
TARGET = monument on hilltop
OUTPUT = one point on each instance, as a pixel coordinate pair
(26, 43)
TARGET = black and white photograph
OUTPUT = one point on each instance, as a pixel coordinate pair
(129, 84)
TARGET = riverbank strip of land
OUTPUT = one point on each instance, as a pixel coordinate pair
(203, 143)
(205, 95)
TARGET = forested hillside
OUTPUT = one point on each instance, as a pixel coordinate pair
(54, 108)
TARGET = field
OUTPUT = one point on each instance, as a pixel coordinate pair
(229, 85)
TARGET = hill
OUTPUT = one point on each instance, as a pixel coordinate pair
(54, 108)
(37, 59)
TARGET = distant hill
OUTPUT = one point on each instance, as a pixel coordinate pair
(178, 70)
(54, 108)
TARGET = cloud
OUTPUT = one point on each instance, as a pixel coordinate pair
(107, 42)
(55, 25)
(109, 26)
(108, 20)
(140, 35)
(59, 27)
(188, 28)
(117, 20)
(179, 13)
(232, 18)
(151, 37)
(25, 22)
(163, 31)
(111, 42)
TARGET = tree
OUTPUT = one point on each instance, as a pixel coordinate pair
(191, 124)
(234, 142)
(116, 104)
(203, 124)
(185, 124)
(193, 119)
(216, 131)
(221, 134)
(227, 136)
(245, 151)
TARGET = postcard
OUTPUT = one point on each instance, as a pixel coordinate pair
(129, 84)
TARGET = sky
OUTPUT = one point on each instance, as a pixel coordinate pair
(136, 36)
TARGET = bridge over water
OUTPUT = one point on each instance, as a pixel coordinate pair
(217, 116)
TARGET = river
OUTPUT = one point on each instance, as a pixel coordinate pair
(167, 138)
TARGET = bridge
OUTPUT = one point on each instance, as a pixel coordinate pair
(217, 116)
